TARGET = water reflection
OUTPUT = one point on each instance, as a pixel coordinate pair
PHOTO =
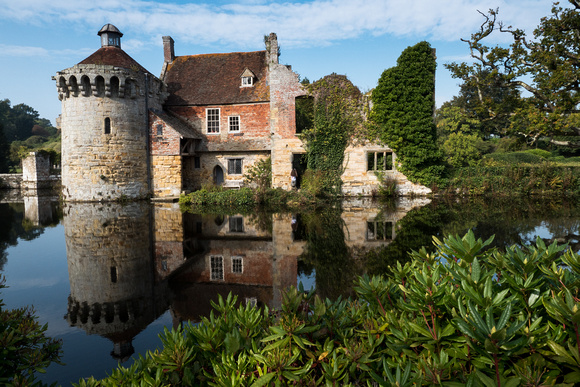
(129, 264)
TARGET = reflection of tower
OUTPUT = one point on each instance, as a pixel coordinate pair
(113, 292)
(104, 122)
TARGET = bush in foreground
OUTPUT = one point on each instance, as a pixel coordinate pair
(463, 315)
(24, 348)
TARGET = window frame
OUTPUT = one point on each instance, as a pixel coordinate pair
(209, 113)
(238, 124)
(217, 268)
(241, 166)
(385, 155)
(238, 224)
(247, 81)
(237, 262)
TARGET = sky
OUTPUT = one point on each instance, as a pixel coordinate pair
(357, 38)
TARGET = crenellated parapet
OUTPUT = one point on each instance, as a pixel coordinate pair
(89, 80)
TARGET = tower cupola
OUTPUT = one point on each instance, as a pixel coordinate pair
(110, 36)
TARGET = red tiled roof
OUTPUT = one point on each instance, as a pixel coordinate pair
(214, 79)
(113, 56)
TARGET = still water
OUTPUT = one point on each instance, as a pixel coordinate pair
(107, 278)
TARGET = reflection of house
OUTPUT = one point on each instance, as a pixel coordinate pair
(233, 255)
(207, 119)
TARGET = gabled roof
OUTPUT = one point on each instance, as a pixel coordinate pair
(113, 56)
(179, 125)
(214, 79)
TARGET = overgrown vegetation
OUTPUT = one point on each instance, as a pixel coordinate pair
(336, 118)
(402, 114)
(462, 315)
(26, 349)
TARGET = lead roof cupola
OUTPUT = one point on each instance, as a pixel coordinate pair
(110, 36)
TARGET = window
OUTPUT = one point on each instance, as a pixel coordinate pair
(107, 125)
(196, 162)
(113, 274)
(236, 224)
(160, 130)
(379, 231)
(217, 268)
(247, 81)
(380, 161)
(234, 166)
(237, 265)
(234, 123)
(213, 120)
(252, 301)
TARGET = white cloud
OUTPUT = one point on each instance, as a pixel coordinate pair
(309, 23)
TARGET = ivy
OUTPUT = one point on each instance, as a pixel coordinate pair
(337, 115)
(402, 114)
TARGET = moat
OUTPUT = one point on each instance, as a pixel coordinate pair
(107, 278)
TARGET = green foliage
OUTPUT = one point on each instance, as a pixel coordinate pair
(25, 348)
(24, 131)
(336, 119)
(511, 177)
(260, 175)
(545, 66)
(464, 314)
(402, 114)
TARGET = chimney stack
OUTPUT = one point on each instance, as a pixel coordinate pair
(272, 47)
(168, 50)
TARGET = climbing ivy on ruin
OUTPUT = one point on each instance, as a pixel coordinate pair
(402, 114)
(337, 115)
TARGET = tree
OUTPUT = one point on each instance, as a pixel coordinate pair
(545, 68)
(403, 107)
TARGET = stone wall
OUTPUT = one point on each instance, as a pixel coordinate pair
(358, 180)
(285, 87)
(195, 178)
(166, 175)
(104, 131)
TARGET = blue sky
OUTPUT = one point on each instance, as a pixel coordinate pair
(358, 38)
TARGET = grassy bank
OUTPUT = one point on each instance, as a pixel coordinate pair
(542, 179)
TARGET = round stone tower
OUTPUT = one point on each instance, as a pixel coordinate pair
(106, 100)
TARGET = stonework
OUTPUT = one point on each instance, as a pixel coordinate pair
(206, 120)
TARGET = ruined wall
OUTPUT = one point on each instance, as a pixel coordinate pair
(284, 88)
(357, 179)
(104, 131)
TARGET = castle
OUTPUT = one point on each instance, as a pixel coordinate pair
(208, 118)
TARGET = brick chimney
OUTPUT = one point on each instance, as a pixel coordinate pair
(168, 50)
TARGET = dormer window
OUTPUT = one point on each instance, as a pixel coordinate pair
(247, 78)
(247, 81)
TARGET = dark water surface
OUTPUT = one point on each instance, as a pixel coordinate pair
(107, 278)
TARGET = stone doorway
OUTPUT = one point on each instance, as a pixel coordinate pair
(218, 175)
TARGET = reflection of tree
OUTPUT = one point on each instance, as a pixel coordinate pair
(326, 252)
(13, 226)
(414, 231)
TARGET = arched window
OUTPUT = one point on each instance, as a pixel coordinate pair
(114, 87)
(63, 87)
(107, 125)
(73, 85)
(86, 86)
(100, 82)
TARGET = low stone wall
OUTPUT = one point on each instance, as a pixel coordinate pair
(10, 181)
(14, 181)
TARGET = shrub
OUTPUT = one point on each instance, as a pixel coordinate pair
(25, 347)
(463, 315)
(515, 157)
